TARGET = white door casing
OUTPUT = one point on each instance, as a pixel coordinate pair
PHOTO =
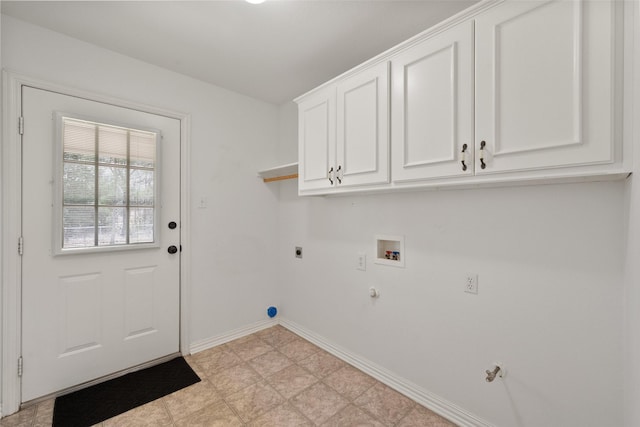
(12, 222)
(87, 315)
(11, 273)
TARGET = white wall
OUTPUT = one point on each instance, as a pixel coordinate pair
(232, 136)
(288, 133)
(549, 258)
(632, 299)
(632, 264)
(549, 307)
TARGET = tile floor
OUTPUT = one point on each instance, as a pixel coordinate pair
(271, 378)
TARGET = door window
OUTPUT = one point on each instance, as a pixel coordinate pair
(107, 186)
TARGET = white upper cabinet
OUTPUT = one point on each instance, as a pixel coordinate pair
(362, 155)
(432, 107)
(544, 85)
(344, 133)
(513, 91)
(317, 140)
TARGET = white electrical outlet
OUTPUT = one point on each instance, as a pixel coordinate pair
(471, 283)
(361, 261)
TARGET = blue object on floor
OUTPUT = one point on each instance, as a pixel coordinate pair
(272, 311)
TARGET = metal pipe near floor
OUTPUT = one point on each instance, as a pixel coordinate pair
(491, 375)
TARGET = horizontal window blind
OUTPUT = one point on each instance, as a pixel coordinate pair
(109, 184)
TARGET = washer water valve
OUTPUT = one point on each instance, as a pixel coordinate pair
(373, 292)
(497, 371)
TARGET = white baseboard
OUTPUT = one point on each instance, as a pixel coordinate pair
(231, 335)
(427, 399)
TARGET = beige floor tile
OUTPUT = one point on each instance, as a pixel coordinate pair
(22, 418)
(191, 399)
(385, 404)
(235, 379)
(282, 416)
(278, 337)
(243, 339)
(422, 417)
(352, 416)
(350, 382)
(249, 348)
(322, 364)
(44, 413)
(298, 349)
(207, 353)
(270, 363)
(291, 381)
(319, 403)
(152, 414)
(270, 378)
(269, 331)
(254, 401)
(194, 365)
(216, 415)
(214, 362)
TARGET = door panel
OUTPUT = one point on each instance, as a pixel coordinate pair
(433, 107)
(538, 65)
(139, 318)
(80, 318)
(90, 314)
(316, 127)
(362, 152)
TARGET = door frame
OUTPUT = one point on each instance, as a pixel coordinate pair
(11, 222)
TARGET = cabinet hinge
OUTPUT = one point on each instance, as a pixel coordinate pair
(21, 125)
(20, 366)
(20, 245)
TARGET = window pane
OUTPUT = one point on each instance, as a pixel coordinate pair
(142, 150)
(79, 227)
(79, 184)
(141, 187)
(112, 186)
(79, 139)
(113, 145)
(112, 229)
(141, 225)
(109, 184)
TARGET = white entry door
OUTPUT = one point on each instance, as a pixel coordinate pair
(101, 230)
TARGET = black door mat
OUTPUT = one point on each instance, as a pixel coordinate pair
(106, 400)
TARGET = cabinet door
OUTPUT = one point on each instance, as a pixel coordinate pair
(363, 128)
(544, 85)
(432, 118)
(316, 140)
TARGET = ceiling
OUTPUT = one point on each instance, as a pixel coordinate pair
(274, 51)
